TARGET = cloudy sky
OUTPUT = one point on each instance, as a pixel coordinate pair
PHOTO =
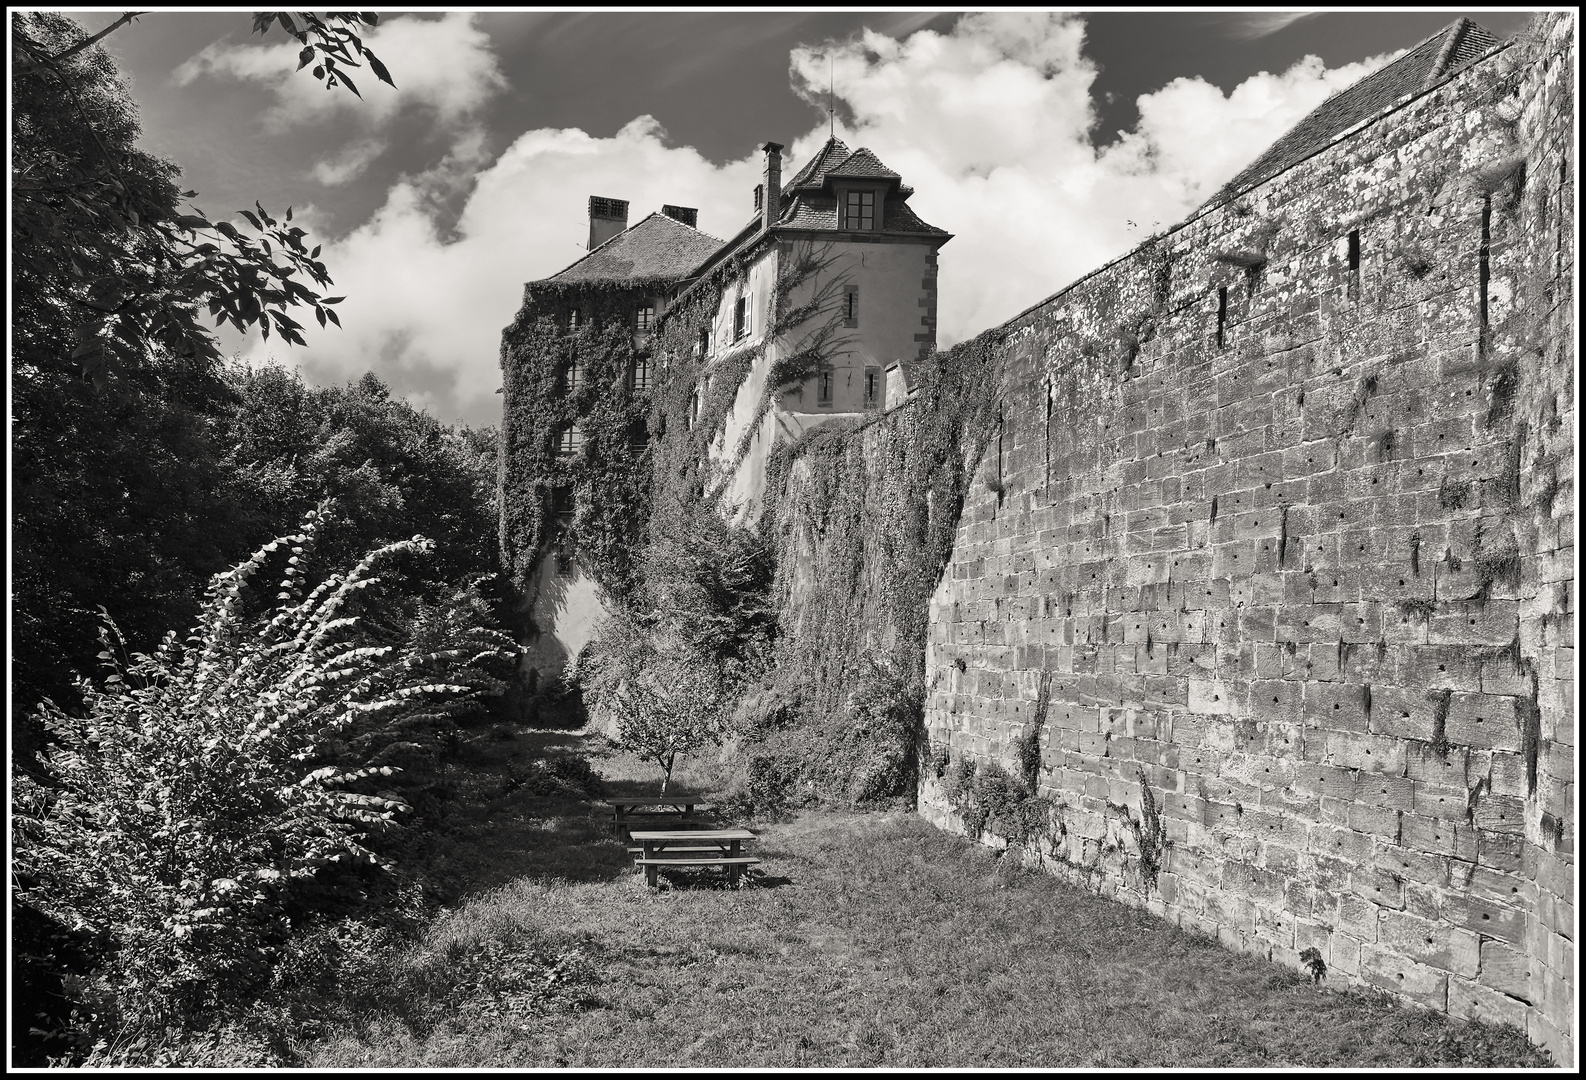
(1047, 142)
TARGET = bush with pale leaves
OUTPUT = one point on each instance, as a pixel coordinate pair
(208, 781)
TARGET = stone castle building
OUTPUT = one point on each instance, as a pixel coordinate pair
(866, 289)
(1270, 556)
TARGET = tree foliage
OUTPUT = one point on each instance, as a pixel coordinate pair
(670, 659)
(121, 497)
(391, 469)
(108, 265)
(665, 695)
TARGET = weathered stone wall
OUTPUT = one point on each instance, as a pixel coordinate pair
(1293, 545)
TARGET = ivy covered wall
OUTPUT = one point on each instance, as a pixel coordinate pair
(573, 514)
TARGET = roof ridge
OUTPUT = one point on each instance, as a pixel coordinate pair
(668, 217)
(1368, 96)
(861, 156)
(1452, 33)
(813, 167)
(645, 250)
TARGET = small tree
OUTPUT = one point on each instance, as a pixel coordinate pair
(667, 699)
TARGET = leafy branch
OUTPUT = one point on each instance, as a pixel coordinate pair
(327, 43)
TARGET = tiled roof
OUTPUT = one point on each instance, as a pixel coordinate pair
(862, 163)
(820, 212)
(901, 218)
(809, 212)
(658, 247)
(814, 173)
(806, 204)
(1439, 55)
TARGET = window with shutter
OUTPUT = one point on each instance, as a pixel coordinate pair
(872, 387)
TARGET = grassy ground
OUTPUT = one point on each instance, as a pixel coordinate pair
(862, 940)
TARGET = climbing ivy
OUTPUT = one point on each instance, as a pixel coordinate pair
(863, 514)
(555, 376)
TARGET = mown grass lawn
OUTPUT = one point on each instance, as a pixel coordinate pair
(862, 940)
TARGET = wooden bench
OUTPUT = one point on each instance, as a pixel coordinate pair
(734, 866)
(637, 850)
(692, 847)
(679, 813)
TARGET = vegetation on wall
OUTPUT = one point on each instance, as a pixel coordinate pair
(864, 521)
(591, 502)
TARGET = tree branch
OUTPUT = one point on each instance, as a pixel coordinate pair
(81, 45)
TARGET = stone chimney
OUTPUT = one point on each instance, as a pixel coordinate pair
(688, 215)
(607, 218)
(772, 203)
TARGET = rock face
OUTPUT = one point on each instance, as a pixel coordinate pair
(1280, 514)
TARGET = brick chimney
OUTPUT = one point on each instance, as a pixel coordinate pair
(688, 215)
(607, 218)
(772, 202)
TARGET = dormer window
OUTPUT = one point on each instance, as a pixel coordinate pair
(859, 210)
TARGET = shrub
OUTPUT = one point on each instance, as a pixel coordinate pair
(208, 787)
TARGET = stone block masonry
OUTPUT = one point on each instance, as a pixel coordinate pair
(1293, 544)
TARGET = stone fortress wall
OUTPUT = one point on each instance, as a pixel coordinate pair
(1281, 514)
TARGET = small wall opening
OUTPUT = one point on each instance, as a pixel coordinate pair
(1222, 314)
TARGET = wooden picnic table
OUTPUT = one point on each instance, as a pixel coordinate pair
(678, 810)
(692, 847)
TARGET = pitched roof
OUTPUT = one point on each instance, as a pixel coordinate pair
(1440, 55)
(813, 174)
(862, 163)
(657, 248)
(807, 203)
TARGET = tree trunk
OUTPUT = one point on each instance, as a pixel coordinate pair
(666, 772)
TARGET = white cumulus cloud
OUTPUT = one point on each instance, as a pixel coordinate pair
(992, 126)
(990, 123)
(349, 163)
(426, 311)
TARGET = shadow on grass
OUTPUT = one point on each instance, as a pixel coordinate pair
(711, 879)
(490, 833)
